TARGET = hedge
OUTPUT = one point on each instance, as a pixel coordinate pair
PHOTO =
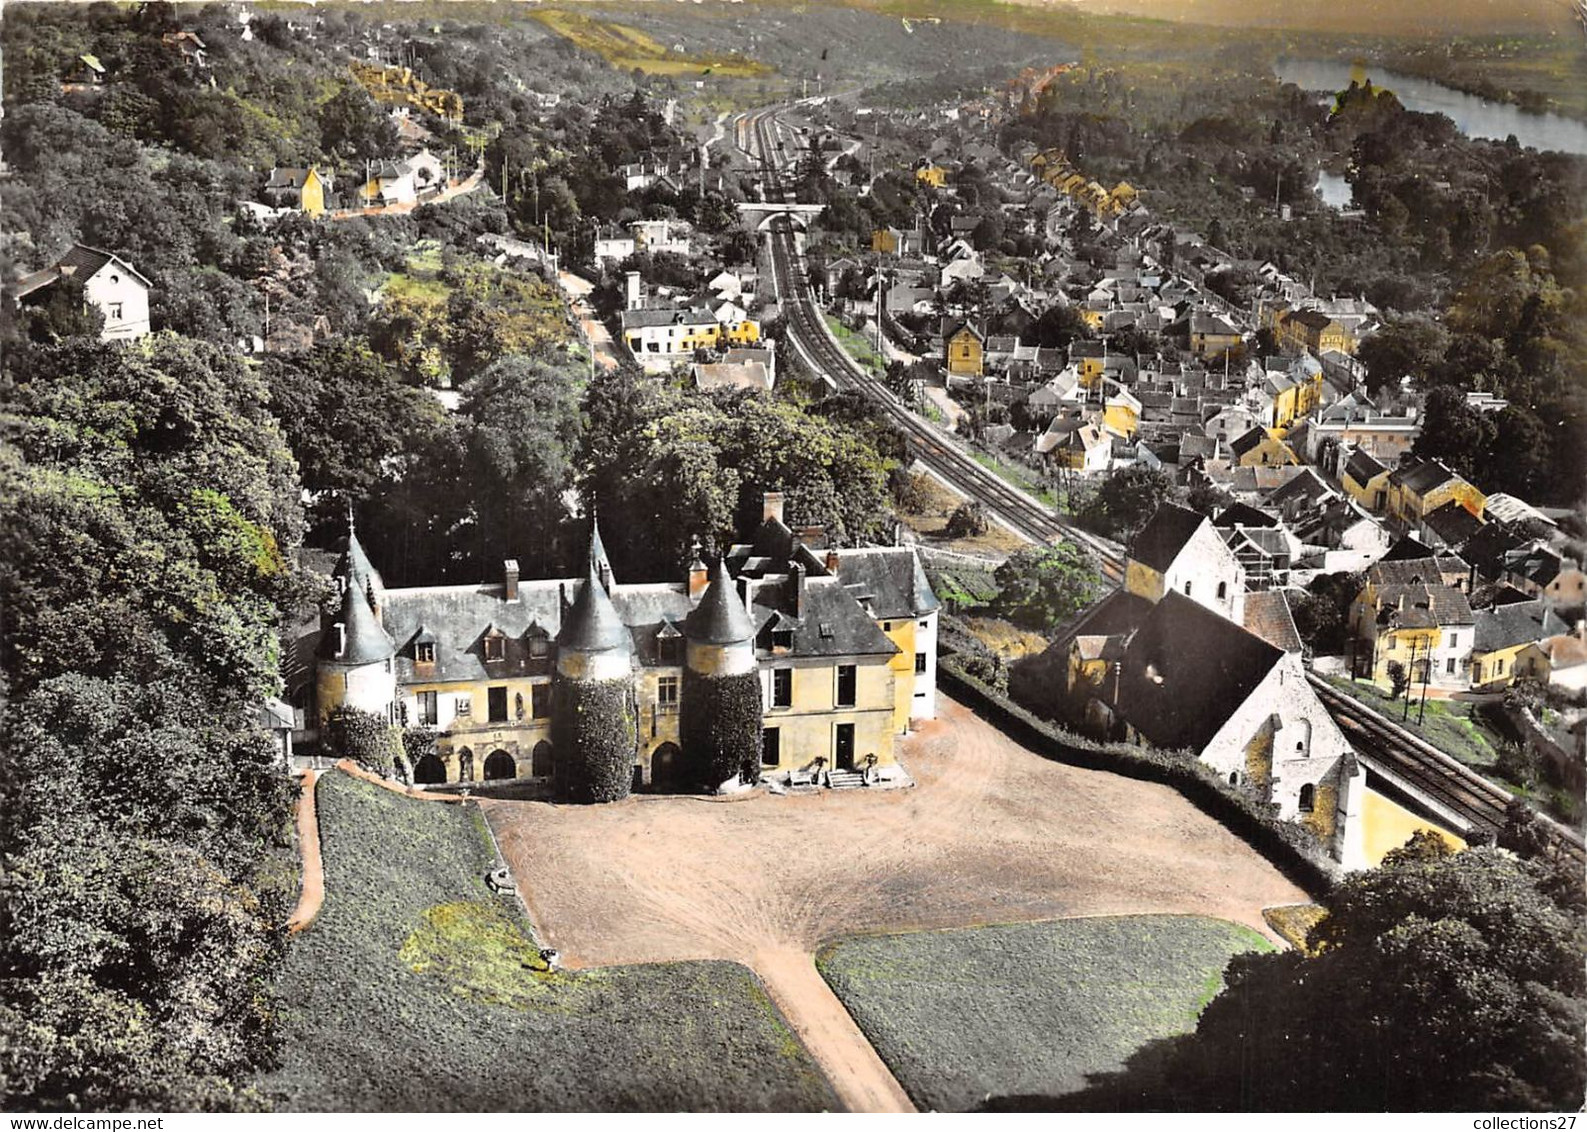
(720, 727)
(594, 733)
(1292, 848)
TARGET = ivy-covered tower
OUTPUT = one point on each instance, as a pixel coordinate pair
(594, 716)
(720, 714)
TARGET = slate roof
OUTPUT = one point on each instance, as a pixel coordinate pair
(593, 625)
(720, 618)
(825, 622)
(1243, 515)
(1519, 623)
(1165, 535)
(1422, 606)
(1267, 614)
(1452, 523)
(80, 261)
(1362, 468)
(1422, 477)
(891, 578)
(1247, 441)
(669, 316)
(1186, 671)
(366, 641)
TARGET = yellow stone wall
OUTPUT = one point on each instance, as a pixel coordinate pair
(1143, 580)
(807, 728)
(1325, 807)
(902, 634)
(1259, 758)
(1387, 825)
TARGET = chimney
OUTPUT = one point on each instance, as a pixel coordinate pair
(832, 561)
(699, 576)
(743, 590)
(633, 290)
(510, 577)
(796, 574)
(340, 629)
(771, 506)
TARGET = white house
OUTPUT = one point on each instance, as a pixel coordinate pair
(109, 283)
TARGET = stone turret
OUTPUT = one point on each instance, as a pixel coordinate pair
(594, 714)
(356, 657)
(720, 714)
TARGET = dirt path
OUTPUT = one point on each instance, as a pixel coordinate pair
(308, 824)
(862, 1081)
(993, 833)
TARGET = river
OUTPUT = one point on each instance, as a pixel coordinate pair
(1473, 116)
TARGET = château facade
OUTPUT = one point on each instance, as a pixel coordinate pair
(842, 645)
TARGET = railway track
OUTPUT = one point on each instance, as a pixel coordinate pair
(1420, 766)
(814, 341)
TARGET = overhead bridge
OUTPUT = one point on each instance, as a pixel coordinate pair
(759, 214)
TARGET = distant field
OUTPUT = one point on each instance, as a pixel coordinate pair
(626, 48)
(1028, 1009)
(417, 989)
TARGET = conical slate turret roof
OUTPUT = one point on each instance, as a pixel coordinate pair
(592, 625)
(367, 642)
(599, 562)
(720, 618)
(354, 565)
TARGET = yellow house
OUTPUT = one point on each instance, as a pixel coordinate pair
(1507, 643)
(1419, 489)
(930, 173)
(1260, 448)
(963, 348)
(1121, 413)
(885, 241)
(744, 332)
(302, 189)
(1366, 481)
(1405, 616)
(1314, 331)
(1211, 336)
(1124, 195)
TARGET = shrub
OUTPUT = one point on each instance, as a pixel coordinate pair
(911, 490)
(594, 733)
(967, 520)
(364, 737)
(720, 727)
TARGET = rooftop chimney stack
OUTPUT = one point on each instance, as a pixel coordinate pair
(796, 573)
(699, 576)
(510, 578)
(832, 561)
(771, 506)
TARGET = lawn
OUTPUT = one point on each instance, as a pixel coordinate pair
(1023, 1009)
(418, 989)
(857, 346)
(1449, 725)
(627, 48)
(1022, 478)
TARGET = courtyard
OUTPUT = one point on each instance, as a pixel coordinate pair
(992, 833)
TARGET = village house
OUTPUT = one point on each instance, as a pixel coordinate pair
(1419, 488)
(1260, 448)
(305, 190)
(1313, 331)
(1366, 481)
(963, 344)
(110, 284)
(1507, 643)
(1407, 616)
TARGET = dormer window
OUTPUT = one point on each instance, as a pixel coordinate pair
(782, 638)
(495, 648)
(539, 647)
(424, 653)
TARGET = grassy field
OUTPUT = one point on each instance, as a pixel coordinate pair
(627, 48)
(417, 989)
(1022, 478)
(858, 346)
(1023, 1009)
(1449, 725)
